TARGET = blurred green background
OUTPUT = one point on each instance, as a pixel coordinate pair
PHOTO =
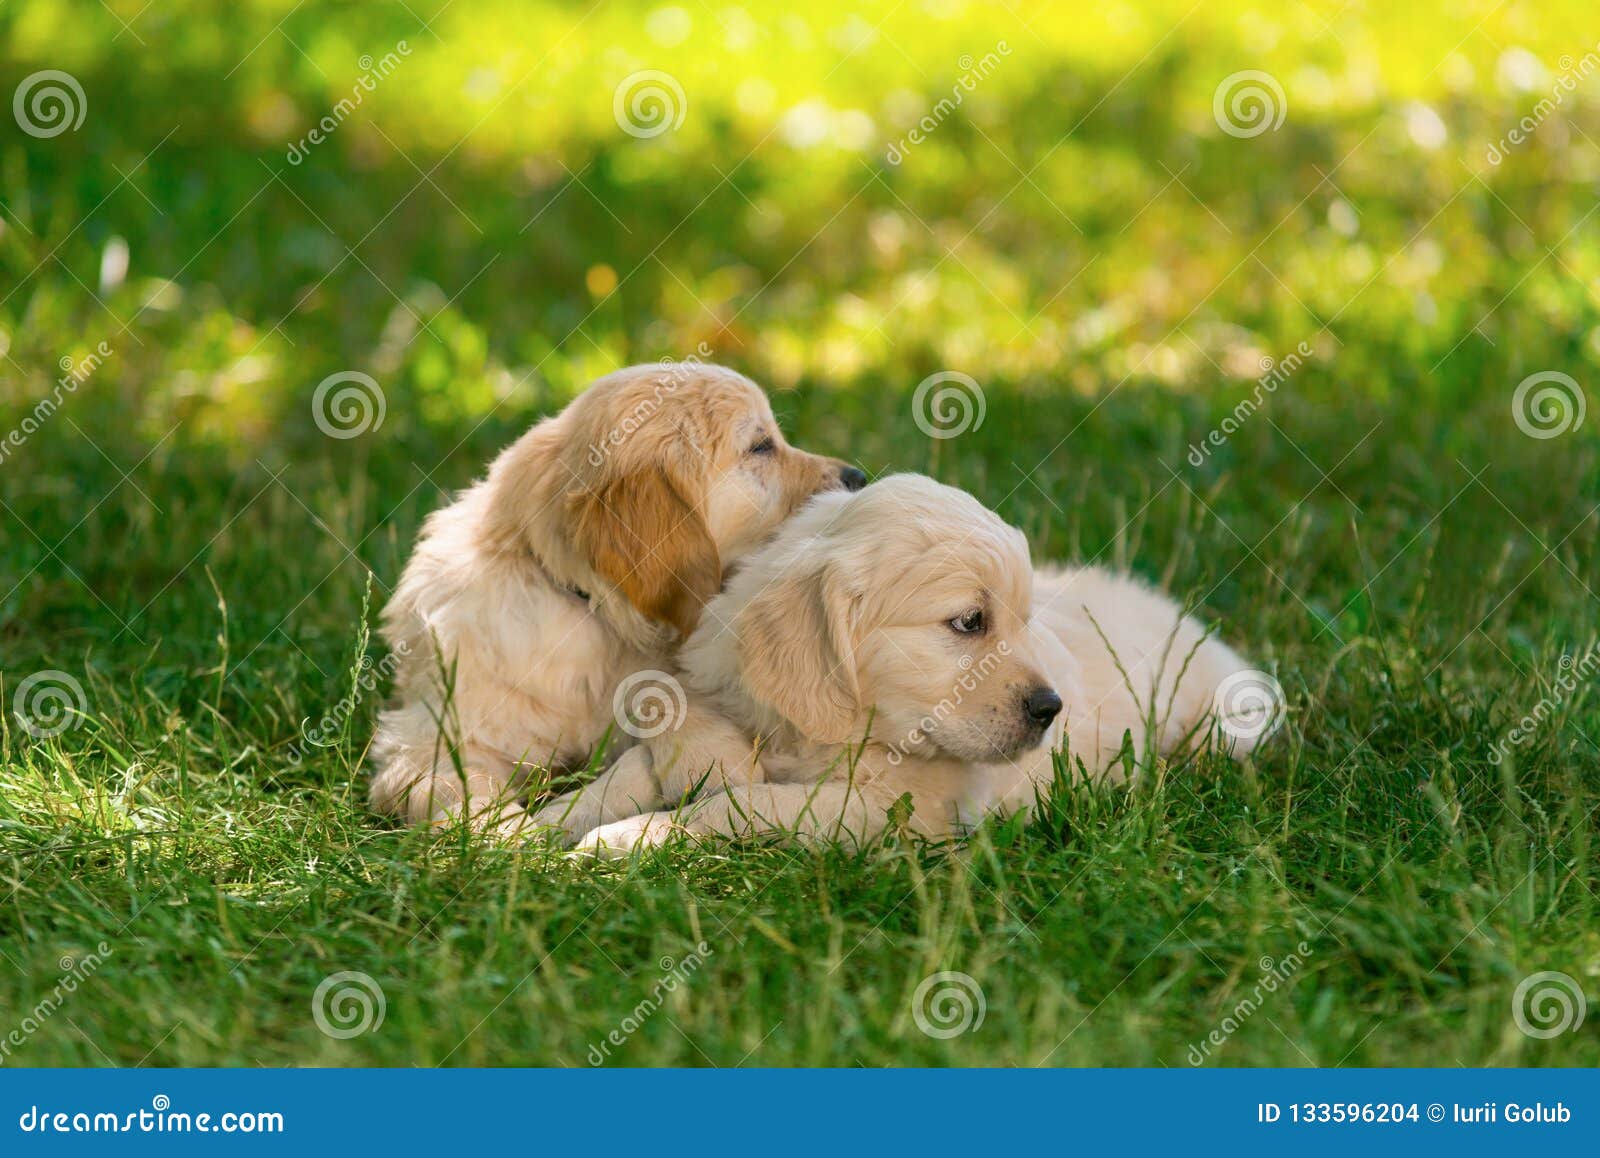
(482, 234)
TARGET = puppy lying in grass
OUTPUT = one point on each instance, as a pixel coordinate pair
(898, 642)
(584, 556)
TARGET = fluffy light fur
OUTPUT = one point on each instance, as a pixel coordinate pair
(841, 630)
(585, 555)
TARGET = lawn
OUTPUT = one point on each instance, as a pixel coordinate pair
(1345, 283)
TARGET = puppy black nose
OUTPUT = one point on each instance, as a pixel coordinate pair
(1043, 705)
(852, 478)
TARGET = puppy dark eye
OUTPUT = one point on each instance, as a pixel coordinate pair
(765, 446)
(968, 622)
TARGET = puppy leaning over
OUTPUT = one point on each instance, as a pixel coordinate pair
(585, 555)
(911, 616)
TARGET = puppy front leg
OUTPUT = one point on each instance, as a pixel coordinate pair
(810, 813)
(428, 789)
(627, 788)
(705, 753)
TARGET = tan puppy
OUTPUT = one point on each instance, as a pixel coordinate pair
(909, 615)
(584, 556)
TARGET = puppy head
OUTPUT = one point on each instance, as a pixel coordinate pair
(909, 602)
(665, 474)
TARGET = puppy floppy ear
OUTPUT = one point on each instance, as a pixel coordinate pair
(639, 534)
(797, 654)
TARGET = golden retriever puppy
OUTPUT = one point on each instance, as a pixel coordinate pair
(584, 556)
(898, 642)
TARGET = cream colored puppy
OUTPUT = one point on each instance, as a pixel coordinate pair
(909, 615)
(584, 556)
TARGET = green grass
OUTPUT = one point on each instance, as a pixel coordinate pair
(182, 541)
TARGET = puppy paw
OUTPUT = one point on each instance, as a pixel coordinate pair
(507, 824)
(625, 836)
(558, 825)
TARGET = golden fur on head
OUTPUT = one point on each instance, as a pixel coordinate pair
(648, 482)
(641, 534)
(855, 611)
(589, 549)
